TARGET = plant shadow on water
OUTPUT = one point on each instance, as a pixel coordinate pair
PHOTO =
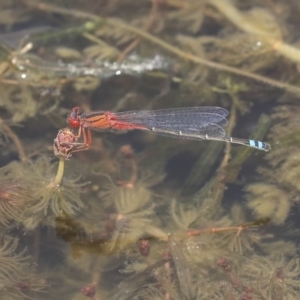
(136, 215)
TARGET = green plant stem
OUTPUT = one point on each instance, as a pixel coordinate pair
(60, 171)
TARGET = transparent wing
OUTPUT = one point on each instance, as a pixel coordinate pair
(186, 122)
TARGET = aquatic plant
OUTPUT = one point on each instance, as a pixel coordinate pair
(12, 201)
(276, 197)
(275, 277)
(11, 264)
(37, 193)
(268, 200)
(116, 26)
(49, 196)
(161, 219)
(18, 275)
(131, 217)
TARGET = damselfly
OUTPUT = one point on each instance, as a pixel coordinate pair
(197, 123)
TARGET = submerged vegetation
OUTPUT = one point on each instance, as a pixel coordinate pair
(140, 216)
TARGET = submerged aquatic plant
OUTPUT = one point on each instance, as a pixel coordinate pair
(117, 28)
(275, 277)
(43, 195)
(269, 201)
(278, 193)
(131, 217)
(11, 263)
(50, 197)
(17, 275)
(12, 201)
(14, 195)
(205, 256)
(289, 172)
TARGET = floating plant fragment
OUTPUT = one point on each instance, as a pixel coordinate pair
(132, 65)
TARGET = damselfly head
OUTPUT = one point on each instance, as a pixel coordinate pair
(74, 117)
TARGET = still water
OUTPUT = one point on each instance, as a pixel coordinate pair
(160, 202)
